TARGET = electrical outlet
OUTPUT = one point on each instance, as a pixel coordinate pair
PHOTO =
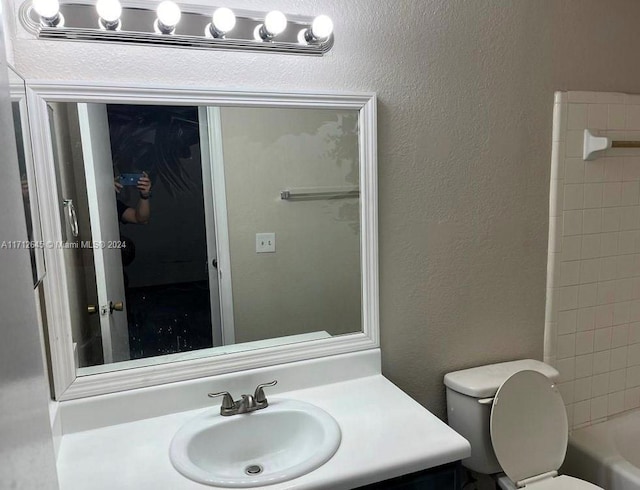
(265, 243)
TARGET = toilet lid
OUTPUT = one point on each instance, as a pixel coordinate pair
(563, 482)
(529, 428)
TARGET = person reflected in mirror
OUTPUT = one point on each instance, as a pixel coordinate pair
(138, 215)
(141, 213)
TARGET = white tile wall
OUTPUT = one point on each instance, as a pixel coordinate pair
(593, 299)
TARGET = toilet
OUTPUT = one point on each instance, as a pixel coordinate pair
(516, 422)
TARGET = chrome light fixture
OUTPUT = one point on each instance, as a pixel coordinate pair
(168, 17)
(225, 29)
(222, 22)
(109, 12)
(320, 30)
(49, 12)
(274, 23)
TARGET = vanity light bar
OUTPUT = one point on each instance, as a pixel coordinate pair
(166, 24)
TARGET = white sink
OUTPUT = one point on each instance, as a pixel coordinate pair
(286, 440)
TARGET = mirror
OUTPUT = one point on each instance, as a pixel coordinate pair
(27, 177)
(188, 225)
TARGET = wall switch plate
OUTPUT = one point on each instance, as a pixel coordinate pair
(265, 243)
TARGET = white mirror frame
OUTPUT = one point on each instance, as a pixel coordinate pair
(67, 384)
(18, 94)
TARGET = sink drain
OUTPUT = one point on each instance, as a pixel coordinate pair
(253, 469)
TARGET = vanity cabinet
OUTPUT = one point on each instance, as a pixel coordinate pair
(447, 477)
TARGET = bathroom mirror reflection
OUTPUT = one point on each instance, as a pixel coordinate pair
(197, 231)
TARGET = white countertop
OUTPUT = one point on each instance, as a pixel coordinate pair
(384, 434)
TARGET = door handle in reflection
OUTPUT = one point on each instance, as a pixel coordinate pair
(92, 309)
(117, 306)
(72, 217)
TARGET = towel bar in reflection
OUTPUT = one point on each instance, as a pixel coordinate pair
(319, 193)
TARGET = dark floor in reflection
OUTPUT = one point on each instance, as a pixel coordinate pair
(168, 319)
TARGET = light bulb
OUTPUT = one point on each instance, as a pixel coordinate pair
(322, 27)
(168, 15)
(46, 8)
(223, 20)
(109, 10)
(275, 22)
(302, 36)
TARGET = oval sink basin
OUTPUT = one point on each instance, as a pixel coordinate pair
(286, 440)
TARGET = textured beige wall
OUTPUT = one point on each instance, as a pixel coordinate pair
(465, 110)
(312, 281)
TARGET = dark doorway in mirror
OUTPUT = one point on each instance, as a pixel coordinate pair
(163, 224)
(168, 319)
(139, 233)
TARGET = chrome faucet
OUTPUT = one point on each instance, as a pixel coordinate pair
(246, 403)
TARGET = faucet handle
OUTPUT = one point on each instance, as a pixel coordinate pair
(227, 400)
(259, 395)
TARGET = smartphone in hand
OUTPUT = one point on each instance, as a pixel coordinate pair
(130, 179)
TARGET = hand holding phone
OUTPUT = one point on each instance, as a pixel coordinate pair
(130, 179)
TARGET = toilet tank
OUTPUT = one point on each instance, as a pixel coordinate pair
(470, 395)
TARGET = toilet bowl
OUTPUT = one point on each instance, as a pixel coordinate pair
(516, 422)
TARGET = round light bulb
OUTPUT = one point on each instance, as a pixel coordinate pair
(46, 8)
(224, 19)
(109, 10)
(168, 13)
(302, 36)
(322, 27)
(275, 22)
